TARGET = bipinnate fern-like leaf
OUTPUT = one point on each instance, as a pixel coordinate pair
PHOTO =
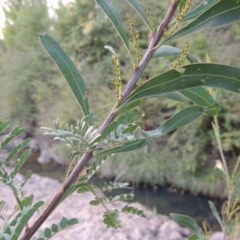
(67, 136)
(20, 163)
(122, 135)
(83, 187)
(82, 184)
(112, 186)
(17, 149)
(96, 165)
(16, 226)
(122, 197)
(5, 212)
(17, 219)
(27, 176)
(133, 210)
(111, 219)
(16, 132)
(4, 125)
(47, 233)
(125, 118)
(3, 209)
(79, 137)
(4, 176)
(27, 201)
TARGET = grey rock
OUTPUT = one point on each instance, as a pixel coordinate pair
(92, 227)
(217, 236)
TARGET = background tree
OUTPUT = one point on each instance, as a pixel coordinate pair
(83, 31)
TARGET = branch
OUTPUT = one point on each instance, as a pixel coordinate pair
(129, 88)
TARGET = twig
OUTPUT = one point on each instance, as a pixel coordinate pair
(129, 88)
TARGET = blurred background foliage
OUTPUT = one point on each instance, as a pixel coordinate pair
(33, 93)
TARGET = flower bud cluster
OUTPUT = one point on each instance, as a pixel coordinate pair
(149, 13)
(135, 38)
(179, 18)
(184, 11)
(117, 81)
(183, 55)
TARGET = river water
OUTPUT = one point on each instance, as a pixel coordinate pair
(159, 200)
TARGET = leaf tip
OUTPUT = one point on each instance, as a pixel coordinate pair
(42, 34)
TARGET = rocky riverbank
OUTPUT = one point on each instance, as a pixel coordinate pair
(91, 226)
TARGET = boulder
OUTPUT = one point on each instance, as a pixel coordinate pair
(92, 226)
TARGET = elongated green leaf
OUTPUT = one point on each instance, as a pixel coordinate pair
(189, 223)
(113, 16)
(215, 213)
(68, 70)
(173, 96)
(193, 75)
(167, 51)
(232, 226)
(140, 11)
(124, 147)
(223, 13)
(198, 95)
(180, 119)
(236, 189)
(191, 58)
(195, 13)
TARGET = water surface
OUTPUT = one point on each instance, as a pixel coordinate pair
(159, 200)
